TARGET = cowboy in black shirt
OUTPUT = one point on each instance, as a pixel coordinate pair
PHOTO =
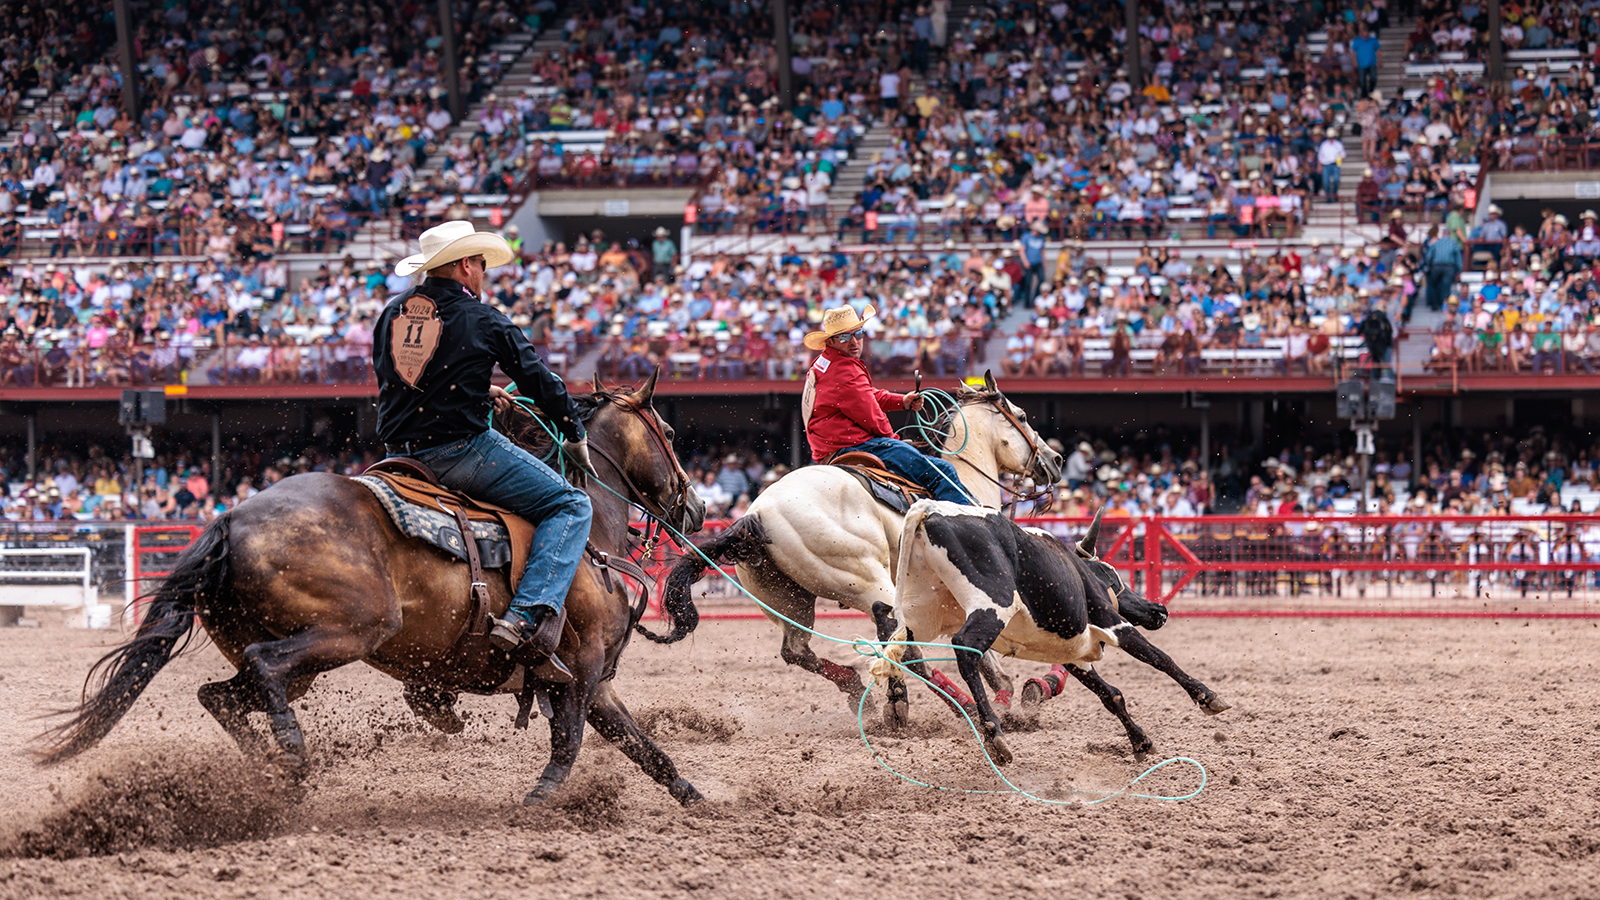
(433, 349)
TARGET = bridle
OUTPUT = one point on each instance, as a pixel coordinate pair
(672, 516)
(1002, 406)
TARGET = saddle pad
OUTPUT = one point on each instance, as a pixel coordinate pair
(887, 488)
(439, 528)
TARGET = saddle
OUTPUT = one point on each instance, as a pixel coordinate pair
(483, 531)
(422, 508)
(889, 488)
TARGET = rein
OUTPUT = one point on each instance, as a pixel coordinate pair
(1033, 456)
(674, 514)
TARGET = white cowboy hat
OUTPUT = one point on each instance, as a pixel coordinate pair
(837, 321)
(451, 241)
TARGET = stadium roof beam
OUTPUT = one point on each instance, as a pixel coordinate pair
(1131, 60)
(452, 68)
(130, 73)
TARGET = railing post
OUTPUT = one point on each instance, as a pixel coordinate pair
(1153, 586)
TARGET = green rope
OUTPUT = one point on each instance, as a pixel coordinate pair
(875, 649)
(935, 403)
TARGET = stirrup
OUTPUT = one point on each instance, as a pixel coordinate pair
(507, 634)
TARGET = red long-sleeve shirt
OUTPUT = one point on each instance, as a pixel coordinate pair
(847, 409)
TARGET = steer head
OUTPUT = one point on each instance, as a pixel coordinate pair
(1130, 603)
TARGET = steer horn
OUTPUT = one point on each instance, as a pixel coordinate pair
(1086, 546)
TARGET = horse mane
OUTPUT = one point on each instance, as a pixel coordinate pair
(523, 428)
(966, 395)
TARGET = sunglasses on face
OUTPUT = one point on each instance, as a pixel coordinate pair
(851, 336)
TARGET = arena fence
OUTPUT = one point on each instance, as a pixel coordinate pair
(1544, 566)
(1539, 566)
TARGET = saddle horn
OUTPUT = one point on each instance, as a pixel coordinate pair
(1086, 546)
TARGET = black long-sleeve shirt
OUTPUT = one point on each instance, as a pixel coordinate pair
(451, 398)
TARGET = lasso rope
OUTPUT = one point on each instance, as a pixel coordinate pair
(876, 650)
(935, 403)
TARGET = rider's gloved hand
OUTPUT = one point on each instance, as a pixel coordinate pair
(577, 452)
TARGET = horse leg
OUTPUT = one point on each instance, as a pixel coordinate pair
(281, 671)
(998, 680)
(1136, 646)
(616, 724)
(797, 652)
(789, 599)
(436, 706)
(972, 641)
(1112, 699)
(230, 703)
(569, 705)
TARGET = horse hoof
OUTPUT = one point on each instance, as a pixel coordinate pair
(537, 796)
(294, 765)
(999, 750)
(897, 714)
(684, 792)
(1033, 694)
(1213, 705)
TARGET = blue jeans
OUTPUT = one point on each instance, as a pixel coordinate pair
(935, 474)
(491, 468)
(1330, 181)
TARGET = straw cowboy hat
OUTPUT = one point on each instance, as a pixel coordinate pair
(444, 244)
(836, 322)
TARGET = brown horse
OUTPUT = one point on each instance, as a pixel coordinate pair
(311, 574)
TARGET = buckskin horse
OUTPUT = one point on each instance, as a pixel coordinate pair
(312, 574)
(819, 533)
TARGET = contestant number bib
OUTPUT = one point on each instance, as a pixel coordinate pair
(413, 337)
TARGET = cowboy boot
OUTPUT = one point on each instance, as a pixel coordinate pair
(532, 641)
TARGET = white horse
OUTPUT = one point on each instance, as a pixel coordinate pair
(818, 533)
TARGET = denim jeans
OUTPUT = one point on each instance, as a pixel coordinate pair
(1330, 181)
(491, 468)
(937, 475)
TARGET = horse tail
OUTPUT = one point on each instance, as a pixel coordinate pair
(117, 680)
(745, 541)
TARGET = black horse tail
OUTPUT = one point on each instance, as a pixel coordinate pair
(745, 541)
(117, 680)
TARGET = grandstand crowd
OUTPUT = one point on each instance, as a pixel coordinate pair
(268, 128)
(1527, 471)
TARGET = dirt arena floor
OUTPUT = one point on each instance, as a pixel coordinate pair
(1362, 758)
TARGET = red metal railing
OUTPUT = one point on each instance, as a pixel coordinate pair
(1538, 566)
(1440, 566)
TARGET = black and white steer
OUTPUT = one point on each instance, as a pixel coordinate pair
(977, 575)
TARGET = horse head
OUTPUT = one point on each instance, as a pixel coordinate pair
(1017, 447)
(639, 445)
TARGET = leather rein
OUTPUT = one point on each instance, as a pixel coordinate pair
(672, 515)
(1033, 455)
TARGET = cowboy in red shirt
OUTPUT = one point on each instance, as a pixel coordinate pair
(843, 411)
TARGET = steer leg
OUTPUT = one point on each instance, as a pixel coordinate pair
(972, 641)
(1136, 646)
(1112, 699)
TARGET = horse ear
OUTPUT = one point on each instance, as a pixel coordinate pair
(598, 387)
(988, 380)
(1086, 546)
(643, 395)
